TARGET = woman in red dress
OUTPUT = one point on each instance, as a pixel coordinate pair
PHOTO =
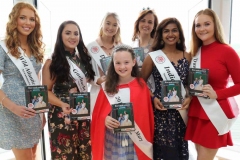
(222, 62)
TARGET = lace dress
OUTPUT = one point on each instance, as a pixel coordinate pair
(169, 143)
(69, 139)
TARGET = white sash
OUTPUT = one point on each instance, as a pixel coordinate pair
(24, 65)
(78, 76)
(168, 72)
(212, 107)
(96, 52)
(123, 96)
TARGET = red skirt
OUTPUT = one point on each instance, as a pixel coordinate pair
(202, 132)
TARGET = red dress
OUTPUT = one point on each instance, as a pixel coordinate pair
(143, 116)
(222, 61)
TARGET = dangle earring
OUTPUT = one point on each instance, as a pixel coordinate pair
(162, 42)
(179, 41)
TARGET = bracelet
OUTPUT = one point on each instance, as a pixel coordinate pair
(153, 97)
(2, 101)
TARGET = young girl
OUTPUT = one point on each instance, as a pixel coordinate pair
(122, 85)
(222, 61)
(20, 126)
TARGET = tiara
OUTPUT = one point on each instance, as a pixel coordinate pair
(121, 46)
(148, 8)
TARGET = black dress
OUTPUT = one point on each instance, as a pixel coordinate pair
(169, 143)
(69, 139)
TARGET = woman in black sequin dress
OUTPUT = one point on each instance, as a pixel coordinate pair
(169, 143)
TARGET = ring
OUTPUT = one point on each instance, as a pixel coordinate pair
(24, 115)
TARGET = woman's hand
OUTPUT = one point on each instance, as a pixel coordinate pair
(111, 123)
(66, 108)
(73, 90)
(101, 80)
(186, 103)
(208, 90)
(23, 111)
(158, 105)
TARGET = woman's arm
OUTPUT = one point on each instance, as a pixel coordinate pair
(46, 80)
(21, 111)
(145, 73)
(147, 68)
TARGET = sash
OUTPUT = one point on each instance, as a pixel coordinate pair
(78, 76)
(25, 67)
(212, 107)
(168, 72)
(97, 53)
(123, 96)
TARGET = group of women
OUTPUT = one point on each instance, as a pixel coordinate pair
(160, 134)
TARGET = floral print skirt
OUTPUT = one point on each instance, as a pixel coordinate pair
(69, 138)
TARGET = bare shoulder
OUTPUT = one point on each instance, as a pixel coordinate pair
(188, 56)
(148, 59)
(47, 63)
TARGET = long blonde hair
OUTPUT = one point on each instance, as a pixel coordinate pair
(218, 31)
(117, 36)
(34, 39)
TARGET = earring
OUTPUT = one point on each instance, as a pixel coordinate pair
(162, 42)
(179, 41)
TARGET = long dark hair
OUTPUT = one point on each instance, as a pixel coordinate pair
(59, 68)
(112, 78)
(158, 36)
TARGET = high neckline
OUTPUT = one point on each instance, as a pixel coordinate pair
(210, 45)
(70, 54)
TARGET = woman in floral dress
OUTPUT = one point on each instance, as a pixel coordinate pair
(69, 138)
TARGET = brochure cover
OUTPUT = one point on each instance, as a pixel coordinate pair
(80, 104)
(37, 98)
(105, 63)
(171, 94)
(139, 54)
(197, 78)
(123, 112)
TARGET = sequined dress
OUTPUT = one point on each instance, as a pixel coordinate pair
(169, 127)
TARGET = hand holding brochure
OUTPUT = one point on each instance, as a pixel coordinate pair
(105, 63)
(197, 79)
(80, 104)
(123, 112)
(139, 54)
(171, 94)
(37, 98)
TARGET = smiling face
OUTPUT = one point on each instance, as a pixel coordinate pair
(25, 22)
(146, 24)
(170, 34)
(70, 37)
(204, 29)
(123, 64)
(110, 26)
